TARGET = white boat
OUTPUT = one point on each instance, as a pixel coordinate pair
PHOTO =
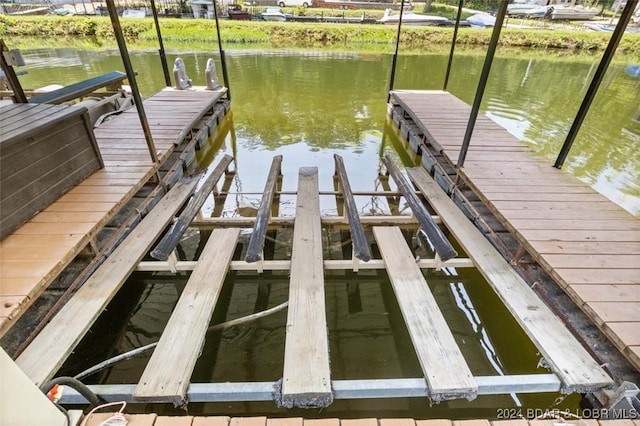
(481, 20)
(576, 12)
(411, 18)
(273, 14)
(562, 10)
(519, 7)
(134, 13)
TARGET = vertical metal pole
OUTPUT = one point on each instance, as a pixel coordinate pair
(163, 56)
(394, 59)
(482, 84)
(595, 83)
(453, 46)
(223, 60)
(131, 76)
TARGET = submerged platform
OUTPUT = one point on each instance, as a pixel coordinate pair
(588, 244)
(33, 255)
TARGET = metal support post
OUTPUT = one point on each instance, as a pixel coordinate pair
(131, 76)
(163, 56)
(595, 83)
(453, 45)
(394, 59)
(482, 84)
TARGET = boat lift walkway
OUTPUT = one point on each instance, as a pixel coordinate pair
(39, 250)
(588, 244)
(306, 376)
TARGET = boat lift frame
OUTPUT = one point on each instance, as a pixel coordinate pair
(342, 389)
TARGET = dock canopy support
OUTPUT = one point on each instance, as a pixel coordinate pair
(131, 76)
(18, 94)
(440, 242)
(394, 58)
(453, 45)
(163, 56)
(595, 83)
(482, 84)
(256, 243)
(223, 60)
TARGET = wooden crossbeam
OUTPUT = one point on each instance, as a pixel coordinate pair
(256, 243)
(306, 381)
(44, 356)
(444, 367)
(166, 376)
(563, 354)
(360, 246)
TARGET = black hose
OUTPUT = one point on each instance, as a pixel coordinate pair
(76, 384)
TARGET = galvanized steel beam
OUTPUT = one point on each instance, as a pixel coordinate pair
(342, 389)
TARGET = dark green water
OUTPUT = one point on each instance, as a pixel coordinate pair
(308, 106)
(310, 103)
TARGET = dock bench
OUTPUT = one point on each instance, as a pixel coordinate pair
(111, 80)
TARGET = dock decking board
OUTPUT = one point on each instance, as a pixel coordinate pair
(67, 328)
(565, 356)
(124, 174)
(445, 369)
(188, 323)
(306, 379)
(501, 177)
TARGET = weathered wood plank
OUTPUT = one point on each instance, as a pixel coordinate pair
(188, 324)
(564, 355)
(445, 370)
(307, 378)
(171, 238)
(440, 242)
(256, 243)
(607, 292)
(68, 327)
(587, 247)
(359, 240)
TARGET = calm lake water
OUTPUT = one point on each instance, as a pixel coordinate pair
(308, 106)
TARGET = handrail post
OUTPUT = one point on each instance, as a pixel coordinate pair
(395, 54)
(163, 56)
(482, 84)
(453, 46)
(595, 83)
(131, 76)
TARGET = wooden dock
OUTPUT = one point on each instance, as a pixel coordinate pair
(306, 376)
(589, 245)
(39, 250)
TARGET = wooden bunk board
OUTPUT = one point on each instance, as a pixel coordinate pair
(584, 241)
(44, 356)
(306, 381)
(444, 367)
(563, 354)
(183, 337)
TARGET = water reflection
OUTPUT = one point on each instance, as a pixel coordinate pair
(315, 102)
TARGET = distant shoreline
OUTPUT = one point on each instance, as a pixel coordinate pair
(96, 31)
